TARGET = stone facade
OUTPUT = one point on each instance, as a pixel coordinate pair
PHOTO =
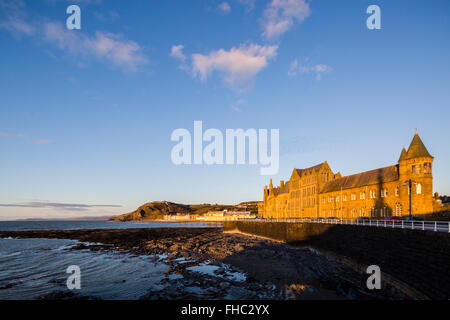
(318, 192)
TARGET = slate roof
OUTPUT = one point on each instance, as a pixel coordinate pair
(376, 176)
(402, 155)
(314, 168)
(417, 149)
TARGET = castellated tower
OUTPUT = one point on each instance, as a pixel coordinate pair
(415, 165)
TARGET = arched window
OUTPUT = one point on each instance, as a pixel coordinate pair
(418, 188)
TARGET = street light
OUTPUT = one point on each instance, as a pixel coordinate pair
(410, 182)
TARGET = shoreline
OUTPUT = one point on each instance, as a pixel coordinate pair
(272, 270)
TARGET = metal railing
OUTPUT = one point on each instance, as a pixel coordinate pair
(437, 226)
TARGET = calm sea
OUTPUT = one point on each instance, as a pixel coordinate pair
(30, 268)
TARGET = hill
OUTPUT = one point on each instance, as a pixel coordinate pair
(157, 209)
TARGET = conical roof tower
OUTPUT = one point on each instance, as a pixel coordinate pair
(402, 155)
(416, 149)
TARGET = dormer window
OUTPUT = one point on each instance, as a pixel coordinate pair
(416, 169)
(427, 167)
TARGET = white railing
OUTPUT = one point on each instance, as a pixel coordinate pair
(437, 226)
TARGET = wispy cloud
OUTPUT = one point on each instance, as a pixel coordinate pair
(177, 52)
(236, 66)
(111, 47)
(41, 141)
(318, 69)
(280, 15)
(249, 4)
(21, 135)
(59, 206)
(225, 7)
(236, 106)
(14, 18)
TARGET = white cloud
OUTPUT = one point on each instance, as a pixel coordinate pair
(177, 52)
(318, 69)
(111, 47)
(224, 7)
(280, 15)
(237, 66)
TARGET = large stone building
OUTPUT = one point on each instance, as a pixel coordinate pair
(318, 192)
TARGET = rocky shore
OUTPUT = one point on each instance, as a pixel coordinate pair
(206, 263)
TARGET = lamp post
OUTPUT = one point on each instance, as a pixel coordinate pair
(410, 182)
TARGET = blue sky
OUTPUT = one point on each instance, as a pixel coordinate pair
(86, 115)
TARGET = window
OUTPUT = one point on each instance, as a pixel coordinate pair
(337, 199)
(383, 193)
(344, 197)
(396, 192)
(416, 169)
(362, 195)
(427, 167)
(353, 196)
(323, 200)
(330, 199)
(418, 188)
(373, 194)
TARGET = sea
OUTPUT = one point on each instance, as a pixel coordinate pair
(33, 268)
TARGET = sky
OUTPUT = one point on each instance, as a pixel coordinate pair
(86, 115)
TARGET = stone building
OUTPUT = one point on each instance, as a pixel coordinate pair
(318, 192)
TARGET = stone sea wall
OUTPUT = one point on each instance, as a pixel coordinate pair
(419, 259)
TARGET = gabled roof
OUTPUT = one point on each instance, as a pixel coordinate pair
(311, 169)
(376, 176)
(417, 149)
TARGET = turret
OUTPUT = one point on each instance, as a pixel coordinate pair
(415, 164)
(417, 160)
(271, 187)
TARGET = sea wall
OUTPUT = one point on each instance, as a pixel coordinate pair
(419, 259)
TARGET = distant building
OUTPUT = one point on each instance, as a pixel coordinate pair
(318, 192)
(225, 215)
